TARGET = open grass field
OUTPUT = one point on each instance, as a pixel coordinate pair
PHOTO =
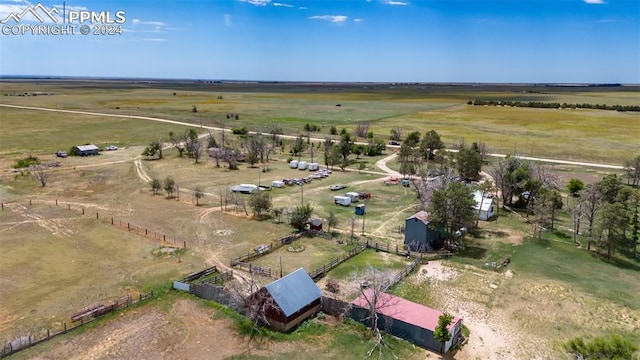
(605, 136)
(55, 262)
(37, 132)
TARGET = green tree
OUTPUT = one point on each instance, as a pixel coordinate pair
(299, 145)
(452, 208)
(277, 213)
(469, 163)
(194, 109)
(259, 202)
(613, 221)
(574, 187)
(413, 139)
(178, 141)
(169, 186)
(441, 333)
(613, 347)
(374, 147)
(300, 217)
(156, 185)
(332, 220)
(152, 149)
(609, 187)
(430, 142)
(345, 145)
(333, 130)
(632, 171)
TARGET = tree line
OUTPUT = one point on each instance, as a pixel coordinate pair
(553, 105)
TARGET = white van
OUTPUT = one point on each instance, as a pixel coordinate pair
(313, 166)
(342, 200)
(302, 165)
(354, 196)
(277, 184)
(245, 188)
(293, 164)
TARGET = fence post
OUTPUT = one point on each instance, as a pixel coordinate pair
(82, 211)
(97, 216)
(56, 202)
(47, 333)
(2, 205)
(69, 207)
(184, 244)
(396, 249)
(65, 327)
(128, 227)
(146, 232)
(29, 202)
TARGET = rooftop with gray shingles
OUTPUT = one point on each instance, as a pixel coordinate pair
(294, 291)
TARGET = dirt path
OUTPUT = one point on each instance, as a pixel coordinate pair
(555, 161)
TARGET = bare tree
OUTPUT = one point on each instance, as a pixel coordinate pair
(254, 302)
(362, 128)
(396, 134)
(198, 194)
(178, 141)
(371, 285)
(40, 173)
(591, 203)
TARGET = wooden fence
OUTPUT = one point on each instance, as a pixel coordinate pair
(262, 250)
(120, 224)
(321, 271)
(256, 269)
(217, 294)
(403, 273)
(83, 317)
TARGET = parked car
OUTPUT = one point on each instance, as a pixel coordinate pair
(264, 187)
(393, 142)
(111, 148)
(337, 187)
(61, 154)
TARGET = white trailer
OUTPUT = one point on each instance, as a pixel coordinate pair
(313, 166)
(277, 184)
(342, 200)
(245, 188)
(354, 196)
(293, 164)
(302, 165)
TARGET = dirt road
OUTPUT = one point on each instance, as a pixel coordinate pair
(555, 161)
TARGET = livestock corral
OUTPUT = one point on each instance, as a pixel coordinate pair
(98, 234)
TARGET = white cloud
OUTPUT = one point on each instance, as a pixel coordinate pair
(594, 1)
(398, 3)
(358, 20)
(227, 20)
(303, 8)
(331, 18)
(149, 26)
(282, 5)
(257, 2)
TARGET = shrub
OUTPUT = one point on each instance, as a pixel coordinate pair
(26, 162)
(240, 131)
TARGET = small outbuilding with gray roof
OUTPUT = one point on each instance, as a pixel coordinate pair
(418, 235)
(296, 298)
(85, 150)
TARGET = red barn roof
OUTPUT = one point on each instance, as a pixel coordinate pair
(403, 310)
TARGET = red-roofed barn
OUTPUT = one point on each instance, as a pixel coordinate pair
(407, 320)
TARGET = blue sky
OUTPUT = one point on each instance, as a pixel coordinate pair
(586, 41)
